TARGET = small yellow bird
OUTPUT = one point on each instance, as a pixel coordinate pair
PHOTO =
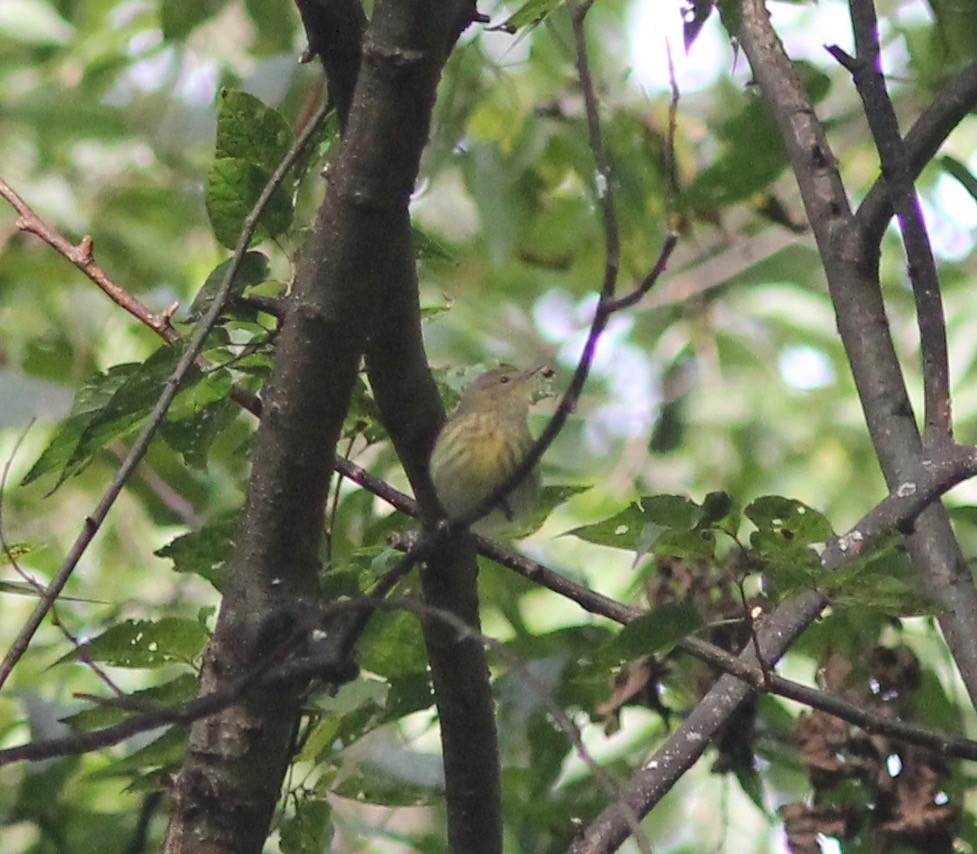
(482, 444)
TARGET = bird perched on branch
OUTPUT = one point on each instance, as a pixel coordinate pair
(482, 445)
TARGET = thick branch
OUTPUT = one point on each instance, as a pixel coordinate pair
(852, 274)
(864, 331)
(335, 31)
(226, 791)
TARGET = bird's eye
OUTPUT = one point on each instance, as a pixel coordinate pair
(504, 378)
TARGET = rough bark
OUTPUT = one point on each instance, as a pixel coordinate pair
(224, 795)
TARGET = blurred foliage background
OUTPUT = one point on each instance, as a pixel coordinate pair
(729, 377)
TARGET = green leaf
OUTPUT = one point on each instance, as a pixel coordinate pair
(204, 552)
(549, 498)
(192, 437)
(752, 785)
(92, 397)
(198, 416)
(363, 415)
(309, 829)
(956, 27)
(108, 408)
(17, 551)
(408, 694)
(530, 14)
(640, 526)
(392, 645)
(883, 581)
(253, 270)
(165, 752)
(248, 130)
(180, 690)
(274, 25)
(788, 521)
(178, 17)
(426, 248)
(144, 643)
(233, 188)
(656, 632)
(375, 785)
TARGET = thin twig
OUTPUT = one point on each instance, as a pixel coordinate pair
(193, 346)
(606, 304)
(33, 582)
(81, 255)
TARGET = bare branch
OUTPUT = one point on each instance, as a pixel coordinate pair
(81, 255)
(866, 71)
(852, 274)
(949, 107)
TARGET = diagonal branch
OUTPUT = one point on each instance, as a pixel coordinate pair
(949, 107)
(193, 346)
(852, 274)
(82, 256)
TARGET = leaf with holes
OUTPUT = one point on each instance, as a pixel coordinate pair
(249, 130)
(144, 643)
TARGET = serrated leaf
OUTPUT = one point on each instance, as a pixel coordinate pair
(204, 552)
(197, 417)
(655, 632)
(113, 406)
(144, 643)
(253, 270)
(883, 581)
(699, 543)
(249, 130)
(790, 570)
(233, 188)
(192, 437)
(94, 394)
